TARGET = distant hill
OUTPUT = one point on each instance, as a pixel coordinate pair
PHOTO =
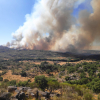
(9, 53)
(90, 52)
(4, 48)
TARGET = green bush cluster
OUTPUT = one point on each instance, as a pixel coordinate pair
(92, 81)
(44, 82)
(1, 78)
(45, 66)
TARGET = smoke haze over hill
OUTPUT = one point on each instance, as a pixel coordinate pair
(51, 26)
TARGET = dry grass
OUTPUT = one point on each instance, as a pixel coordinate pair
(95, 97)
(52, 62)
(81, 61)
(18, 78)
(1, 71)
(36, 62)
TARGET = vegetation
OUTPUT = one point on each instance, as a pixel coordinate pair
(23, 73)
(41, 81)
(42, 69)
(1, 78)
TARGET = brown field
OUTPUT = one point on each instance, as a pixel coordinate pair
(61, 63)
(36, 62)
(57, 58)
(18, 78)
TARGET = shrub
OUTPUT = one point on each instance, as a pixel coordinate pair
(88, 96)
(80, 71)
(29, 80)
(78, 89)
(12, 82)
(25, 83)
(74, 75)
(96, 87)
(53, 85)
(60, 76)
(4, 72)
(71, 69)
(48, 71)
(98, 75)
(1, 78)
(6, 80)
(82, 75)
(98, 96)
(33, 85)
(23, 73)
(67, 78)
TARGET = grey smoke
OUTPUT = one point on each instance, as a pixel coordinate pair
(55, 18)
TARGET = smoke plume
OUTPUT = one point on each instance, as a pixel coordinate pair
(51, 26)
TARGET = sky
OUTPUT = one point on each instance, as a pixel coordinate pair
(12, 15)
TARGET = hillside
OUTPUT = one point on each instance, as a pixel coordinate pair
(8, 53)
(51, 72)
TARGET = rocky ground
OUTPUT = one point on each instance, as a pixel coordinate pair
(26, 93)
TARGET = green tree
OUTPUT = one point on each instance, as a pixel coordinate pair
(41, 81)
(52, 85)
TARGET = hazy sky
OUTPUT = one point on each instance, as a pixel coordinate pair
(12, 15)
